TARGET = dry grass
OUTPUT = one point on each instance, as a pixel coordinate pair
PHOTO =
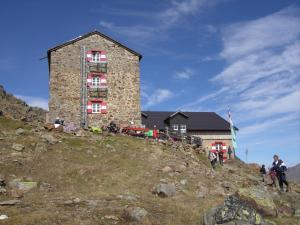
(89, 169)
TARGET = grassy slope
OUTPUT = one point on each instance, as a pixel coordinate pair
(90, 169)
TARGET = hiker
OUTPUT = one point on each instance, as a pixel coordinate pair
(263, 172)
(155, 132)
(282, 176)
(213, 158)
(112, 127)
(279, 167)
(58, 122)
(221, 156)
(229, 152)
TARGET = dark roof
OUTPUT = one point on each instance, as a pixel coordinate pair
(89, 34)
(205, 121)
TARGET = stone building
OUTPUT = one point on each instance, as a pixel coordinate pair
(94, 80)
(213, 130)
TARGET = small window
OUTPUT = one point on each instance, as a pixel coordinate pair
(96, 107)
(175, 126)
(96, 81)
(219, 146)
(96, 56)
(183, 128)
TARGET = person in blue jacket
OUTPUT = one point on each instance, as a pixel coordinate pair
(280, 168)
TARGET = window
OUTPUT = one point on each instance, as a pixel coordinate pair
(183, 128)
(96, 81)
(175, 126)
(96, 107)
(219, 146)
(95, 56)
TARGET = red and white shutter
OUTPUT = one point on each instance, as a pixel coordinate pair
(103, 107)
(89, 56)
(89, 80)
(103, 56)
(213, 147)
(89, 107)
(103, 81)
(224, 147)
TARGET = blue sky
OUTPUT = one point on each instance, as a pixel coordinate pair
(198, 55)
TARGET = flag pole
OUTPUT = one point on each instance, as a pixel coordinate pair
(233, 133)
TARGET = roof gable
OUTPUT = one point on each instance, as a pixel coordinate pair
(176, 113)
(89, 34)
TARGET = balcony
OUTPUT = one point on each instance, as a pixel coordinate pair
(98, 67)
(98, 92)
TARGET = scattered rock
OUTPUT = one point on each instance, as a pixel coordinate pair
(217, 190)
(128, 196)
(68, 202)
(10, 202)
(134, 214)
(20, 131)
(2, 190)
(183, 182)
(45, 186)
(167, 169)
(72, 201)
(23, 186)
(202, 192)
(18, 147)
(180, 168)
(40, 147)
(111, 217)
(16, 154)
(49, 139)
(80, 133)
(297, 213)
(164, 190)
(110, 148)
(3, 217)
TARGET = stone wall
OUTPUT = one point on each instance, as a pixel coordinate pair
(123, 81)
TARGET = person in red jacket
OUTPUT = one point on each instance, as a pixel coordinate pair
(155, 132)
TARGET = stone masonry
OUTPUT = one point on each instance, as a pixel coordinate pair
(123, 83)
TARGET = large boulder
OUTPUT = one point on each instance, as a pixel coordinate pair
(234, 212)
(260, 199)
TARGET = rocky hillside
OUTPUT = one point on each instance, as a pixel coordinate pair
(14, 108)
(294, 173)
(58, 178)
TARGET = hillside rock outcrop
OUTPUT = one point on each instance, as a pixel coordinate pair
(14, 108)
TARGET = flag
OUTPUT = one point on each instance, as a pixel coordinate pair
(233, 133)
